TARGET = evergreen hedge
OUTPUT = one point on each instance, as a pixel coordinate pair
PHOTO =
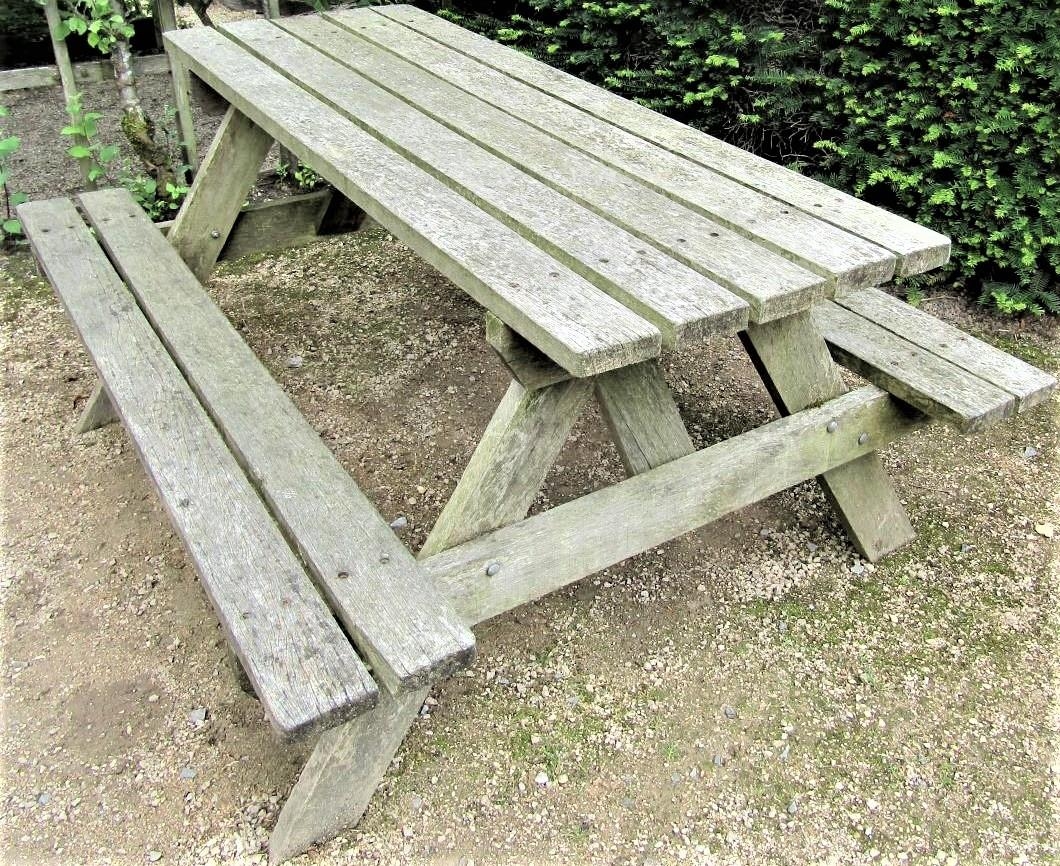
(945, 111)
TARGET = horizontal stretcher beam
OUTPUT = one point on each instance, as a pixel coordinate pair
(503, 569)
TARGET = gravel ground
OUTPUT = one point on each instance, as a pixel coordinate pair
(751, 693)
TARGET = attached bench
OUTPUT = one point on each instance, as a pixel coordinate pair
(289, 551)
(939, 369)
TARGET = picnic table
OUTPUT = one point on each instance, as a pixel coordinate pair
(596, 234)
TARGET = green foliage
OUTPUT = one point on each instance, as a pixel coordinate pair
(158, 204)
(83, 130)
(97, 21)
(302, 177)
(10, 227)
(942, 110)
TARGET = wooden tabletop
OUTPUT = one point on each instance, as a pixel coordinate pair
(598, 229)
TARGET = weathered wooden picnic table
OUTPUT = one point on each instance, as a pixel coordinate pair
(597, 234)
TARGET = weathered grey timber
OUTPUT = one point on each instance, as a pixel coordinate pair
(550, 550)
(681, 302)
(574, 323)
(91, 72)
(527, 365)
(642, 416)
(297, 657)
(528, 431)
(918, 248)
(1029, 385)
(394, 615)
(99, 411)
(772, 285)
(342, 773)
(206, 218)
(934, 385)
(509, 463)
(283, 223)
(797, 370)
(850, 261)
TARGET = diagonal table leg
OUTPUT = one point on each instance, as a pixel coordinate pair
(798, 371)
(227, 175)
(507, 469)
(643, 418)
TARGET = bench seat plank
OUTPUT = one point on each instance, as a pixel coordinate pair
(302, 666)
(574, 323)
(850, 261)
(918, 247)
(932, 384)
(1029, 385)
(403, 626)
(679, 301)
(770, 283)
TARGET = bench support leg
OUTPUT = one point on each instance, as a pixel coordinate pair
(507, 469)
(228, 172)
(98, 411)
(643, 418)
(797, 369)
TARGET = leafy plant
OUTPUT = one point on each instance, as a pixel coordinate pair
(96, 20)
(1011, 300)
(157, 204)
(10, 227)
(83, 129)
(302, 177)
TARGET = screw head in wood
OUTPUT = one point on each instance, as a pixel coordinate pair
(832, 426)
(385, 557)
(215, 234)
(863, 438)
(492, 569)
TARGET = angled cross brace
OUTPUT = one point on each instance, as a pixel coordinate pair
(98, 411)
(797, 369)
(507, 469)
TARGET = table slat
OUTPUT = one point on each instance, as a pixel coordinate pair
(676, 299)
(918, 247)
(772, 285)
(823, 248)
(577, 325)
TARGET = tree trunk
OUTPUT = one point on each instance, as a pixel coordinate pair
(139, 129)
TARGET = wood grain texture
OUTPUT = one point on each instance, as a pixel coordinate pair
(226, 176)
(509, 465)
(848, 260)
(918, 248)
(550, 550)
(300, 662)
(341, 775)
(795, 365)
(772, 285)
(573, 322)
(291, 221)
(681, 302)
(529, 367)
(1029, 385)
(643, 418)
(391, 611)
(348, 763)
(934, 385)
(99, 411)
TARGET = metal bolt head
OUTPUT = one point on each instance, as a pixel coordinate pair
(832, 426)
(492, 569)
(384, 557)
(215, 234)
(863, 438)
